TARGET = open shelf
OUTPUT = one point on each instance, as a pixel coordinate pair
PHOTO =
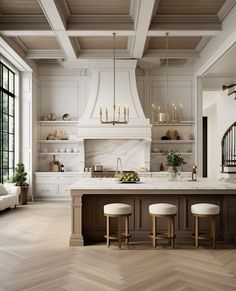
(59, 122)
(182, 123)
(181, 153)
(58, 153)
(69, 141)
(172, 141)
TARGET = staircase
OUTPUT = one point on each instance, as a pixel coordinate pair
(228, 150)
(230, 90)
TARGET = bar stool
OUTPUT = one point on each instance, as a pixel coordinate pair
(210, 211)
(167, 211)
(119, 211)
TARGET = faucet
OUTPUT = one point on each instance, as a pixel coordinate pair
(117, 166)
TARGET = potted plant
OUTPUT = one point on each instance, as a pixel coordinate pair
(19, 179)
(174, 161)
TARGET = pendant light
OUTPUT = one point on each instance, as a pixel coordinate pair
(116, 111)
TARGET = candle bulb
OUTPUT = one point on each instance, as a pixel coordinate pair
(153, 113)
(106, 114)
(158, 113)
(100, 113)
(180, 112)
(173, 112)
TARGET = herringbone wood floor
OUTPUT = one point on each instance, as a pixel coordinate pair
(35, 255)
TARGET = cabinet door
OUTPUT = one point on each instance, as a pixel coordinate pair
(64, 190)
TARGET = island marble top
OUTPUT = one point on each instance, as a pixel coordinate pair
(152, 184)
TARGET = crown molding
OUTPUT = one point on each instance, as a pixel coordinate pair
(172, 54)
(82, 22)
(183, 32)
(104, 54)
(174, 22)
(45, 54)
(225, 9)
(23, 22)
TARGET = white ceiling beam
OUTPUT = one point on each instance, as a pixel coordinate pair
(100, 32)
(28, 33)
(58, 24)
(184, 32)
(172, 54)
(142, 26)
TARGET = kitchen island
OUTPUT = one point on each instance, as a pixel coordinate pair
(90, 194)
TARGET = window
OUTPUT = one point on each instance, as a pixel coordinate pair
(7, 121)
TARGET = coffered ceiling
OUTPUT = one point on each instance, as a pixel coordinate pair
(72, 29)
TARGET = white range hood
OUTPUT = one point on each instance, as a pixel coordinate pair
(101, 96)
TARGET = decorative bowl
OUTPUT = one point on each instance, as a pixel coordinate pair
(66, 117)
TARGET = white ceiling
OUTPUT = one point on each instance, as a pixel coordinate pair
(76, 29)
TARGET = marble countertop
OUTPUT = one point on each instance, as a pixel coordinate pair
(148, 183)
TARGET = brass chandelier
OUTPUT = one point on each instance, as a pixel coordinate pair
(163, 115)
(116, 112)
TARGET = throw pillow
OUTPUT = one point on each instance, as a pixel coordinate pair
(3, 190)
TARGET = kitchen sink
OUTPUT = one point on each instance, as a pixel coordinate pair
(108, 174)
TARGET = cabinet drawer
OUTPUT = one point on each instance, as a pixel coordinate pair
(50, 190)
(64, 190)
(68, 180)
(46, 179)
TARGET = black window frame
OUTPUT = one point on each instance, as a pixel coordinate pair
(5, 168)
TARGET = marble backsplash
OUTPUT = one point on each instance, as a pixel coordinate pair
(105, 152)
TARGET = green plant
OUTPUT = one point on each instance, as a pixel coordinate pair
(173, 159)
(19, 176)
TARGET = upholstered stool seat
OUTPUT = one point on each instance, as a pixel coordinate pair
(207, 210)
(119, 211)
(163, 210)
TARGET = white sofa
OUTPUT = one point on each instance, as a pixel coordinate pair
(11, 198)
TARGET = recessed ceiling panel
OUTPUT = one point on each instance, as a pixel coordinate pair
(40, 42)
(104, 42)
(20, 7)
(189, 7)
(174, 42)
(98, 7)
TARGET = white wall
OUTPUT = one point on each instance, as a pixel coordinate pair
(66, 90)
(220, 109)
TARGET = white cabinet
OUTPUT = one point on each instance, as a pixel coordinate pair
(55, 185)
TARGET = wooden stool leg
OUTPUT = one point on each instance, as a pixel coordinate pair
(169, 229)
(119, 231)
(154, 231)
(172, 231)
(196, 231)
(108, 231)
(213, 231)
(127, 229)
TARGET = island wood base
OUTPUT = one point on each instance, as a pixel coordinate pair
(89, 223)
